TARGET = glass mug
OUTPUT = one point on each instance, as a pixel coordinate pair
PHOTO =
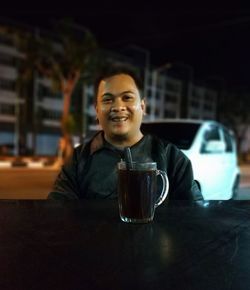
(137, 189)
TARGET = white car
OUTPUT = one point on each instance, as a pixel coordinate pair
(210, 146)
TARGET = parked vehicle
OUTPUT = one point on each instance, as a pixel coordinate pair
(210, 146)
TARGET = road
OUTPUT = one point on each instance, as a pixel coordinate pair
(22, 183)
(244, 191)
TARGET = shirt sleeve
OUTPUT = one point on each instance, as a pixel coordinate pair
(66, 185)
(182, 183)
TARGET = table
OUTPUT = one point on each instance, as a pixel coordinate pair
(84, 245)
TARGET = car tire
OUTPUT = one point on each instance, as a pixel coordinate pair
(235, 188)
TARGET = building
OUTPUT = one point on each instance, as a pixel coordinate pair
(11, 105)
(33, 118)
(47, 112)
(163, 96)
(202, 103)
(166, 95)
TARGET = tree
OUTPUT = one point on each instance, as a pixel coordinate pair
(66, 56)
(234, 113)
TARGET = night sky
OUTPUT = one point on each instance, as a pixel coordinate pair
(214, 42)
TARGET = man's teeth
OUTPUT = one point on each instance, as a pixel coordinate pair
(119, 119)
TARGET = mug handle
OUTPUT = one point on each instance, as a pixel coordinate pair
(165, 188)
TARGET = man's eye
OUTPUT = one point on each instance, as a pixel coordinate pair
(106, 100)
(127, 97)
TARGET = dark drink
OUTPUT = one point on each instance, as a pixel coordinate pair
(136, 193)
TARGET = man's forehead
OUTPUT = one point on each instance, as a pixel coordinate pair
(120, 81)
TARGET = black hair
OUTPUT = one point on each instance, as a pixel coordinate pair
(113, 70)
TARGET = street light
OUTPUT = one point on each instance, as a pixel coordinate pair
(187, 67)
(147, 63)
(170, 65)
(155, 76)
(158, 70)
(189, 85)
(220, 86)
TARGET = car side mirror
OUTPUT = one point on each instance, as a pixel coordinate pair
(214, 146)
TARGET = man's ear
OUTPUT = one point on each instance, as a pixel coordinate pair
(143, 105)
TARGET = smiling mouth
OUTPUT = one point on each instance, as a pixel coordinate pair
(118, 119)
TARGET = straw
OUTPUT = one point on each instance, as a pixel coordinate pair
(128, 158)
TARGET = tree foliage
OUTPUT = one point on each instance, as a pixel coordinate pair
(65, 56)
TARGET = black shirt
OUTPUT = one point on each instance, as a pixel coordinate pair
(100, 181)
(92, 171)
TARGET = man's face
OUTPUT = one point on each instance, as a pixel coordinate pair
(119, 108)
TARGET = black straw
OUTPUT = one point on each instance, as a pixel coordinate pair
(128, 158)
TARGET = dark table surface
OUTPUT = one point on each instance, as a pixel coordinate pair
(84, 245)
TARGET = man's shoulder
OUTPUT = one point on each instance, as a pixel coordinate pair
(163, 146)
(82, 150)
(91, 145)
(164, 143)
(78, 149)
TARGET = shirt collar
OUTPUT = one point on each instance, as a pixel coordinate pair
(98, 142)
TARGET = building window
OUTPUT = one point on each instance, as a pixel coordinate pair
(194, 116)
(7, 85)
(157, 112)
(149, 93)
(209, 97)
(194, 104)
(148, 110)
(170, 86)
(7, 109)
(170, 98)
(157, 96)
(169, 114)
(196, 94)
(6, 40)
(90, 99)
(7, 60)
(44, 91)
(50, 114)
(149, 80)
(207, 107)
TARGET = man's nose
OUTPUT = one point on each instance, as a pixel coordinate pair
(118, 105)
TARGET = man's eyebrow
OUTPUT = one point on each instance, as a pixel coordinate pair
(107, 94)
(128, 92)
(112, 95)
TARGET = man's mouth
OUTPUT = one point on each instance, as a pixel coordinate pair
(118, 119)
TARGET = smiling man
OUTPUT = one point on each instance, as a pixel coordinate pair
(120, 110)
(91, 172)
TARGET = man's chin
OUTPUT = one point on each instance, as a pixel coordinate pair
(119, 136)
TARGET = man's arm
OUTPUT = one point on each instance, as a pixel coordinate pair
(66, 185)
(182, 183)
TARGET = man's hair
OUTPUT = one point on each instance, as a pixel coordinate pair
(113, 70)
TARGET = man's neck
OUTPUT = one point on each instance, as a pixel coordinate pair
(121, 141)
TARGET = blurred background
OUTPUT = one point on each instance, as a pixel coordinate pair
(195, 65)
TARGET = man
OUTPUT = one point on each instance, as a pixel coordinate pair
(92, 170)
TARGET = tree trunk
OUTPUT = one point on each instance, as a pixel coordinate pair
(68, 86)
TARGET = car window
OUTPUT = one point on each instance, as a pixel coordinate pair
(228, 140)
(180, 134)
(211, 134)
